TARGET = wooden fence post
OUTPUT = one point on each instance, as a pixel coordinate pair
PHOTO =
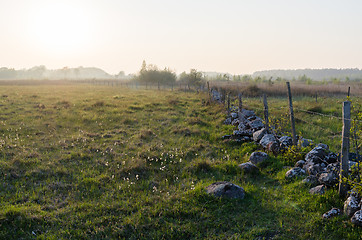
(316, 97)
(266, 113)
(228, 105)
(292, 122)
(349, 91)
(346, 115)
(208, 90)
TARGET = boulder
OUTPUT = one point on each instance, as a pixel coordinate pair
(331, 158)
(313, 169)
(332, 213)
(248, 167)
(285, 142)
(267, 139)
(247, 114)
(357, 218)
(303, 142)
(242, 126)
(294, 172)
(333, 167)
(322, 145)
(234, 115)
(258, 157)
(256, 125)
(351, 205)
(235, 122)
(329, 179)
(311, 181)
(300, 163)
(320, 189)
(227, 121)
(240, 134)
(258, 135)
(225, 189)
(316, 155)
(273, 147)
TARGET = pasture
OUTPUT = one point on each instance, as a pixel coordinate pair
(101, 162)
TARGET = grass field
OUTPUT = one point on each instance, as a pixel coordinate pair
(95, 162)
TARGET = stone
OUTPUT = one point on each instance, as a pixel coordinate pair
(258, 157)
(248, 167)
(300, 163)
(352, 165)
(273, 147)
(313, 169)
(234, 115)
(227, 121)
(239, 134)
(330, 179)
(294, 172)
(351, 205)
(332, 213)
(357, 218)
(256, 125)
(266, 139)
(225, 189)
(285, 142)
(242, 127)
(331, 158)
(258, 135)
(303, 142)
(316, 155)
(247, 113)
(311, 181)
(322, 145)
(235, 122)
(320, 189)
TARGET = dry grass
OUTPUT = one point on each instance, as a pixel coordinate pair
(279, 89)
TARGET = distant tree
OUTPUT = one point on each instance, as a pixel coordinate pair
(152, 75)
(194, 78)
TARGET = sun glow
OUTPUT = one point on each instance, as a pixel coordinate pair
(60, 26)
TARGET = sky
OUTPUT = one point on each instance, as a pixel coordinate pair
(234, 36)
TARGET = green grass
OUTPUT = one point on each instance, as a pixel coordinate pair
(93, 162)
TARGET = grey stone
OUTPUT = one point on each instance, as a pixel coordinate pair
(316, 155)
(331, 158)
(242, 127)
(311, 181)
(258, 157)
(225, 189)
(235, 122)
(320, 189)
(248, 167)
(273, 147)
(285, 142)
(226, 137)
(332, 213)
(351, 206)
(300, 163)
(258, 135)
(305, 142)
(294, 172)
(313, 169)
(267, 139)
(234, 115)
(227, 121)
(247, 113)
(330, 179)
(357, 218)
(256, 125)
(322, 145)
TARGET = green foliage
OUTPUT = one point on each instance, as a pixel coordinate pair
(194, 78)
(152, 75)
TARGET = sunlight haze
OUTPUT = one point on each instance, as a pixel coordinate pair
(232, 36)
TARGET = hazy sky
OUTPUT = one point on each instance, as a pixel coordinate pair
(235, 36)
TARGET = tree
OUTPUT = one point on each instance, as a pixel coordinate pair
(152, 75)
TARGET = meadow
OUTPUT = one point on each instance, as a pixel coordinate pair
(101, 162)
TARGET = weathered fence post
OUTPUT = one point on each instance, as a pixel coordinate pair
(228, 105)
(316, 97)
(346, 115)
(266, 113)
(292, 122)
(349, 91)
(208, 90)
